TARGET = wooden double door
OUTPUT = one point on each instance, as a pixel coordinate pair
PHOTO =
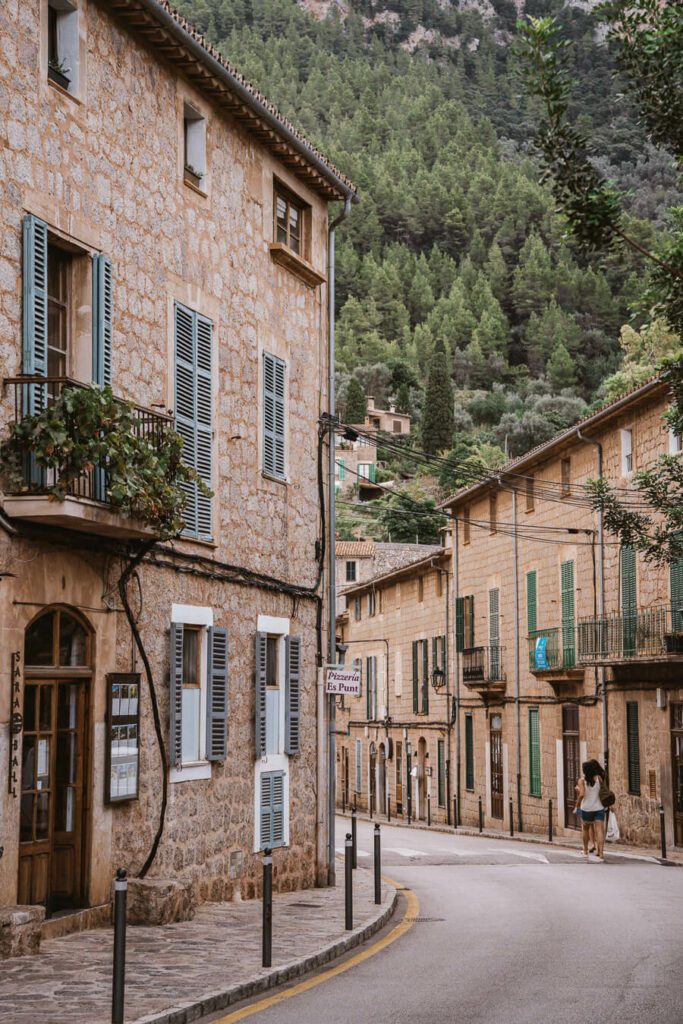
(677, 770)
(497, 770)
(53, 779)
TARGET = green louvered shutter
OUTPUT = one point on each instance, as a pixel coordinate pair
(628, 599)
(568, 623)
(494, 633)
(469, 752)
(193, 412)
(35, 310)
(342, 468)
(531, 613)
(373, 473)
(368, 689)
(292, 694)
(633, 747)
(416, 681)
(441, 772)
(217, 695)
(469, 621)
(534, 753)
(272, 828)
(443, 662)
(175, 745)
(260, 694)
(676, 584)
(435, 652)
(425, 677)
(273, 415)
(460, 624)
(101, 320)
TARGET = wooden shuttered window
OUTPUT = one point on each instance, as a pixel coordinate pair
(531, 607)
(34, 356)
(676, 589)
(441, 772)
(359, 755)
(272, 810)
(260, 694)
(534, 753)
(101, 320)
(416, 680)
(464, 623)
(292, 694)
(494, 633)
(627, 569)
(469, 752)
(371, 688)
(633, 747)
(193, 336)
(274, 461)
(217, 695)
(568, 621)
(425, 677)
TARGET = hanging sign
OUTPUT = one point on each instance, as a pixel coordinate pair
(123, 737)
(16, 724)
(343, 679)
(542, 652)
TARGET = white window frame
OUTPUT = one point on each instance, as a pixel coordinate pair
(675, 443)
(196, 615)
(68, 40)
(194, 141)
(277, 627)
(372, 603)
(364, 470)
(354, 577)
(626, 435)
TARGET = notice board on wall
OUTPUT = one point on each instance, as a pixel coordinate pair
(122, 774)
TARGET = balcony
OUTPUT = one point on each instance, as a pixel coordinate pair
(85, 507)
(482, 668)
(553, 652)
(655, 634)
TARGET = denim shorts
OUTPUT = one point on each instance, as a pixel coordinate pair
(589, 816)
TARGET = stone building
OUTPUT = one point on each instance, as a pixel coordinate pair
(386, 420)
(164, 230)
(360, 560)
(565, 645)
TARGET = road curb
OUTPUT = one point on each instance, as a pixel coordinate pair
(559, 844)
(219, 1000)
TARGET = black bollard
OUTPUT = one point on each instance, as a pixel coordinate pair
(370, 806)
(550, 821)
(267, 941)
(455, 812)
(481, 817)
(348, 876)
(354, 838)
(512, 820)
(378, 867)
(343, 800)
(388, 808)
(119, 978)
(429, 809)
(662, 831)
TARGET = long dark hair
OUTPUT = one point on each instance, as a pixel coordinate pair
(591, 771)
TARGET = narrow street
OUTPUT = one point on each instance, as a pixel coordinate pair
(509, 934)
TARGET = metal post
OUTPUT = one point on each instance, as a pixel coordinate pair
(348, 875)
(343, 800)
(550, 821)
(481, 817)
(354, 837)
(378, 867)
(267, 943)
(448, 777)
(455, 811)
(370, 802)
(409, 786)
(662, 831)
(119, 979)
(512, 820)
(429, 808)
(388, 808)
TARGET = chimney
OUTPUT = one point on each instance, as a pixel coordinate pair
(371, 403)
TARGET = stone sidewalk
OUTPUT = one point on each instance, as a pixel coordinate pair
(179, 972)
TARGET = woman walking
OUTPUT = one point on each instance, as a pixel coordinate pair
(590, 807)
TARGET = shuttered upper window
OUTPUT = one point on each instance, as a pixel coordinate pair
(464, 623)
(274, 454)
(441, 772)
(198, 694)
(469, 752)
(568, 621)
(633, 747)
(269, 693)
(531, 613)
(534, 753)
(194, 413)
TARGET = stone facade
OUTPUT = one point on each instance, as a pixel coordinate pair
(555, 651)
(103, 166)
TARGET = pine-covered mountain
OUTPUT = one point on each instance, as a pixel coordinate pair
(455, 241)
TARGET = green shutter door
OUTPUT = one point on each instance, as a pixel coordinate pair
(494, 632)
(469, 752)
(441, 772)
(633, 747)
(628, 599)
(416, 681)
(460, 624)
(35, 310)
(534, 753)
(425, 677)
(676, 584)
(469, 621)
(531, 613)
(568, 624)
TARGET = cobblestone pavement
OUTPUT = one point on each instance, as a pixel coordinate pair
(69, 982)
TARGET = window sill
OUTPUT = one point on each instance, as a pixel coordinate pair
(195, 188)
(64, 92)
(191, 772)
(284, 480)
(301, 268)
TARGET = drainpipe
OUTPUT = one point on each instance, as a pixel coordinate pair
(448, 696)
(456, 667)
(332, 594)
(601, 601)
(518, 730)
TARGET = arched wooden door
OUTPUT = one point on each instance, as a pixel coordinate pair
(55, 761)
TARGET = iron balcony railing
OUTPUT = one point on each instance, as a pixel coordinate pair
(552, 650)
(641, 635)
(483, 665)
(32, 392)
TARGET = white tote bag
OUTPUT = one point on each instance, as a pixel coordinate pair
(613, 834)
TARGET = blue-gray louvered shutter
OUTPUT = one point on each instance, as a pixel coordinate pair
(101, 320)
(217, 695)
(185, 405)
(35, 310)
(175, 742)
(292, 694)
(273, 415)
(260, 693)
(266, 824)
(204, 330)
(278, 805)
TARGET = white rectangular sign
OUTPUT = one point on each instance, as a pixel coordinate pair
(340, 679)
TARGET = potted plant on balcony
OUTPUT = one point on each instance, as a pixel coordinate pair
(58, 71)
(88, 430)
(193, 176)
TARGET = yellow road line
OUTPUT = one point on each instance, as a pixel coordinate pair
(406, 922)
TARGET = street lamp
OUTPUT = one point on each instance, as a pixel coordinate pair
(438, 678)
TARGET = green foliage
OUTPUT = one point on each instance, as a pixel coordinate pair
(86, 427)
(437, 422)
(356, 402)
(409, 516)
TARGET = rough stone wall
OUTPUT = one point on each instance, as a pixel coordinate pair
(105, 170)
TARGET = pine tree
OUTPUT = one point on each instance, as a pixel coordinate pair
(437, 425)
(403, 402)
(356, 402)
(561, 368)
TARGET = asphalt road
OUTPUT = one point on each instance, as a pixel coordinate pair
(511, 934)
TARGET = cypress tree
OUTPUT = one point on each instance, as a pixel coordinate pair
(437, 425)
(356, 402)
